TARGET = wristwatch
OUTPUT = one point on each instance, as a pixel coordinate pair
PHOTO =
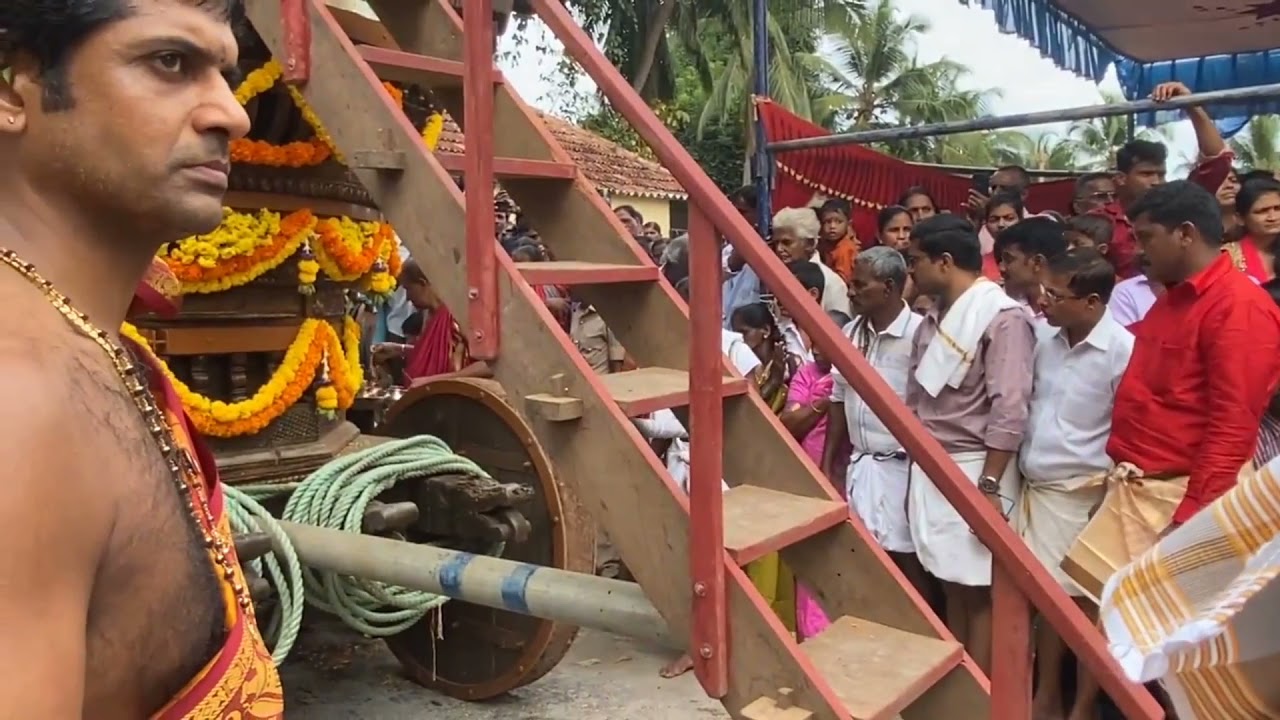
(989, 485)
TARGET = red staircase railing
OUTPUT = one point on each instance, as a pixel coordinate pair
(477, 104)
(706, 420)
(1017, 576)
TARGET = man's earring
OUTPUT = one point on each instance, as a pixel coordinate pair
(13, 120)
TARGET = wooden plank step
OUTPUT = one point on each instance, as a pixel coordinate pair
(646, 390)
(406, 67)
(758, 521)
(876, 670)
(514, 168)
(573, 272)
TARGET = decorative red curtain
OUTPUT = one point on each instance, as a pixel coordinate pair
(870, 180)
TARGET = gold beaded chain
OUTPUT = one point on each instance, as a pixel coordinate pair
(182, 466)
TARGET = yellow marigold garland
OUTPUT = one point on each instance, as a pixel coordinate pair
(317, 348)
(258, 82)
(313, 151)
(432, 130)
(247, 245)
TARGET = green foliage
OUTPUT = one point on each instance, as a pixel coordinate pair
(1258, 146)
(719, 150)
(702, 74)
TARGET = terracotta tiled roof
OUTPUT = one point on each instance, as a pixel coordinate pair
(609, 166)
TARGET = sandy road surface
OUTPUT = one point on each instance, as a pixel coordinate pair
(334, 674)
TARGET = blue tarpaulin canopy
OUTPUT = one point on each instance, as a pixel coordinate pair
(1207, 44)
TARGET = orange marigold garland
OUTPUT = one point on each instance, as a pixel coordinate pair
(248, 245)
(317, 350)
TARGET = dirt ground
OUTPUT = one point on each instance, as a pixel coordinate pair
(334, 674)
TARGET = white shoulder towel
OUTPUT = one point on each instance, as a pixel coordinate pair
(947, 359)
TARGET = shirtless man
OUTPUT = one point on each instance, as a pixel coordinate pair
(115, 122)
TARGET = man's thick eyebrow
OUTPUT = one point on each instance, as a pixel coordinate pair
(176, 43)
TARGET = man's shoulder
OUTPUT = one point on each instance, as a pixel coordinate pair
(1237, 291)
(1013, 319)
(1129, 285)
(47, 426)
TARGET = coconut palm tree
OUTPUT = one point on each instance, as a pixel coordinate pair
(1045, 151)
(1258, 146)
(793, 28)
(637, 35)
(877, 81)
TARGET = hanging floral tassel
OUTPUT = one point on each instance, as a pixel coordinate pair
(326, 393)
(308, 269)
(432, 130)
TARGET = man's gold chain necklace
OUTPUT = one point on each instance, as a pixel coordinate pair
(182, 467)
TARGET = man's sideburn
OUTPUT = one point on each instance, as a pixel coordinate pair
(156, 613)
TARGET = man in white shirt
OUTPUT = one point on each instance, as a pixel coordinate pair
(1080, 357)
(877, 475)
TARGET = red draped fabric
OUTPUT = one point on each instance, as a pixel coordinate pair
(870, 180)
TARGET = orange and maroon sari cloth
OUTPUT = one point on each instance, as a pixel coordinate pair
(440, 349)
(158, 292)
(1246, 257)
(240, 682)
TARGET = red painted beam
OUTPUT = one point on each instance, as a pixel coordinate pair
(477, 102)
(585, 273)
(1006, 547)
(513, 167)
(1010, 649)
(410, 68)
(297, 41)
(709, 645)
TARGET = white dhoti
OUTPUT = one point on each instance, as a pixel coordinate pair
(876, 486)
(947, 548)
(1051, 515)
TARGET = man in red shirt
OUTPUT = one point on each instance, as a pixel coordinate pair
(1206, 358)
(1140, 166)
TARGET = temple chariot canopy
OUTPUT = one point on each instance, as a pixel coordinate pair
(1216, 45)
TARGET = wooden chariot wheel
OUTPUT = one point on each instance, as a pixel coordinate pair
(486, 652)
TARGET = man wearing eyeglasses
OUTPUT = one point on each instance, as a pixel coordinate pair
(1093, 192)
(1081, 353)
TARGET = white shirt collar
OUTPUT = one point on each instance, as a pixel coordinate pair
(1102, 334)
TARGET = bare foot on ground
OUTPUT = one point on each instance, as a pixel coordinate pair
(677, 667)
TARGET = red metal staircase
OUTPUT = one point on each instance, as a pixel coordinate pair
(886, 654)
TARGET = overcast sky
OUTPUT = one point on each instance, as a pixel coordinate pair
(965, 34)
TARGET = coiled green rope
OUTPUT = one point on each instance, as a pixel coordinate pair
(336, 496)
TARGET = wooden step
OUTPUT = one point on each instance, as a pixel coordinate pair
(758, 521)
(646, 390)
(573, 272)
(876, 670)
(513, 168)
(406, 67)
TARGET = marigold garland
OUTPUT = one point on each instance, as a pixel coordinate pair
(248, 245)
(313, 151)
(259, 81)
(316, 348)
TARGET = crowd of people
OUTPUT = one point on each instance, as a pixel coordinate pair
(1051, 355)
(1134, 334)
